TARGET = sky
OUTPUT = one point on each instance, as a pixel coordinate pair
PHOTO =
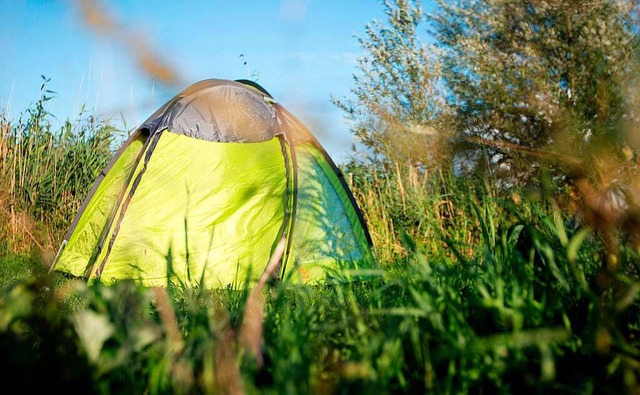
(302, 51)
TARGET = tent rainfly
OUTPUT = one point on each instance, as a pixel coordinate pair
(205, 189)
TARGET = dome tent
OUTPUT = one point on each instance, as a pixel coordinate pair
(204, 190)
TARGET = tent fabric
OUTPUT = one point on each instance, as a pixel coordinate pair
(98, 210)
(327, 233)
(248, 201)
(206, 187)
(218, 110)
(224, 113)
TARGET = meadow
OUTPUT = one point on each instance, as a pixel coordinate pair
(485, 290)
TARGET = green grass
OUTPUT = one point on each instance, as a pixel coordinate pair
(483, 292)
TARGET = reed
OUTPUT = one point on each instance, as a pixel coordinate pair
(46, 171)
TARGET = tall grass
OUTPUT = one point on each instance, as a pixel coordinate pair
(484, 291)
(45, 172)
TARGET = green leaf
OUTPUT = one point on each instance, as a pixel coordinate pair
(93, 330)
(575, 243)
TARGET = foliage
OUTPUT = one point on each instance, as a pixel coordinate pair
(527, 76)
(397, 110)
(516, 89)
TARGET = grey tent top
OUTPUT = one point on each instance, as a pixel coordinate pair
(219, 110)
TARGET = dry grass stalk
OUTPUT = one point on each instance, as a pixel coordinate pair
(251, 330)
(180, 369)
(227, 374)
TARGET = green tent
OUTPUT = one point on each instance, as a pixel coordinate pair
(205, 189)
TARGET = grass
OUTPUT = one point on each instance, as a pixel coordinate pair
(483, 292)
(45, 173)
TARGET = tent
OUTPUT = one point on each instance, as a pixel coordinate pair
(205, 189)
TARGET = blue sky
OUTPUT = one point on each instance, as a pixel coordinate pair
(301, 51)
